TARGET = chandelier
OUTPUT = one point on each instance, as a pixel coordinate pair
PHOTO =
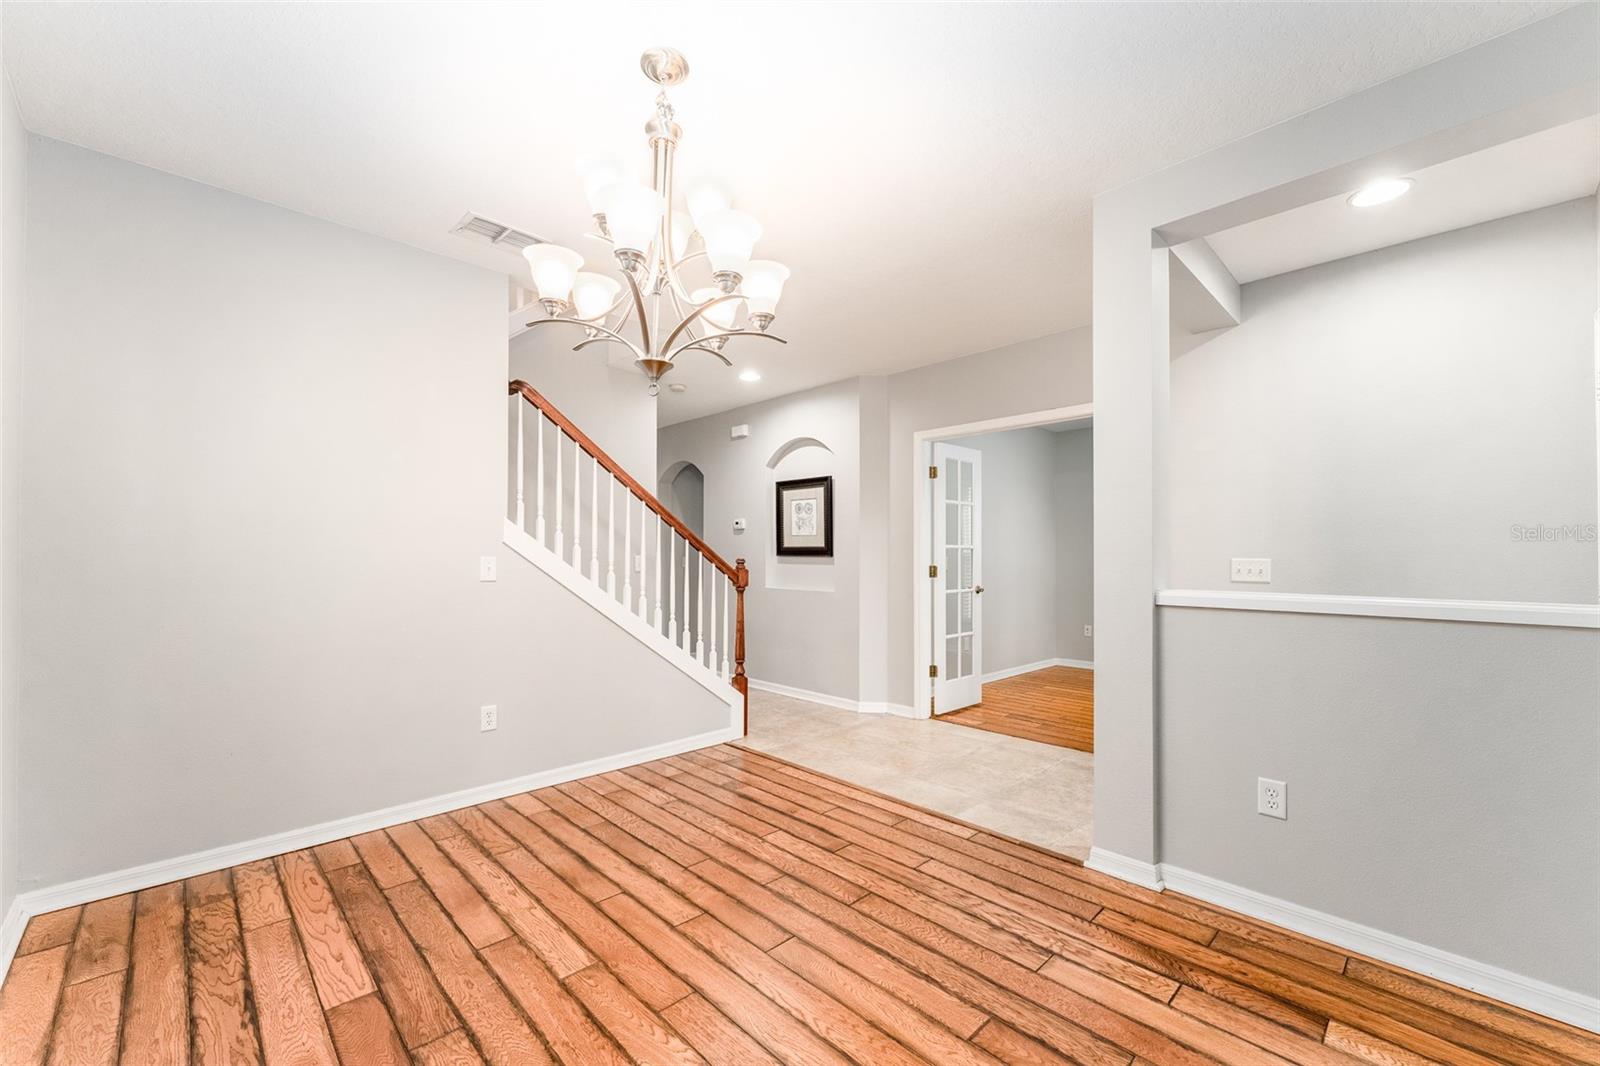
(650, 236)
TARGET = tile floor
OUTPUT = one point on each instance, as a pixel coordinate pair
(1035, 792)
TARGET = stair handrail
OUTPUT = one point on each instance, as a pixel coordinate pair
(737, 572)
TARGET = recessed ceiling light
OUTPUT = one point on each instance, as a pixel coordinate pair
(1381, 192)
(677, 386)
(749, 375)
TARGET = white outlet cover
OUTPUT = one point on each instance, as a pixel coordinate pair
(487, 567)
(488, 718)
(1272, 798)
(1252, 571)
(1088, 631)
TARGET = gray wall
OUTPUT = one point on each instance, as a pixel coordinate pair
(13, 217)
(1035, 375)
(1441, 776)
(261, 455)
(1074, 503)
(1377, 425)
(803, 622)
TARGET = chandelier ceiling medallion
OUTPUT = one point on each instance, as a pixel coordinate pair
(650, 236)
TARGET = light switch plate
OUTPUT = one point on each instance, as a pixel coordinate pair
(487, 568)
(1088, 631)
(1252, 571)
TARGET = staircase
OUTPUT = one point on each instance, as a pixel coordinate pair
(579, 517)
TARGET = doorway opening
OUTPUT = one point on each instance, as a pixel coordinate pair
(1008, 614)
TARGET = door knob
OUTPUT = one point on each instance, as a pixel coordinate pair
(978, 590)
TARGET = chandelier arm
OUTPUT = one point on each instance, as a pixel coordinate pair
(638, 304)
(696, 313)
(702, 348)
(609, 335)
(731, 333)
(581, 345)
(677, 307)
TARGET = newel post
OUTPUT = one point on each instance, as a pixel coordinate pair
(741, 682)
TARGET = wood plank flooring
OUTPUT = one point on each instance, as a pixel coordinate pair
(718, 907)
(1053, 706)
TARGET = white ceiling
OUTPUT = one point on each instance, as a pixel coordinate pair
(925, 170)
(1550, 167)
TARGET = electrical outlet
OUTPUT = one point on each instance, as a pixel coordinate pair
(487, 565)
(1272, 798)
(1088, 631)
(1254, 571)
(488, 718)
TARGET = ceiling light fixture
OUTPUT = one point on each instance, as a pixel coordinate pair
(650, 235)
(1381, 192)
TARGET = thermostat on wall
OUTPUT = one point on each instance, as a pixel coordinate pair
(739, 432)
(738, 525)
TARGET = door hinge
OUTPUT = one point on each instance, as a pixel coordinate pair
(933, 571)
(933, 472)
(933, 669)
(933, 705)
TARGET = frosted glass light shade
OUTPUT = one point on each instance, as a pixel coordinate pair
(730, 237)
(706, 197)
(598, 172)
(554, 269)
(723, 314)
(633, 212)
(763, 285)
(593, 295)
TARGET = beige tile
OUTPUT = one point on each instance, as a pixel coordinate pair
(1024, 789)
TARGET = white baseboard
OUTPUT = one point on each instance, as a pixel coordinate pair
(1042, 664)
(843, 703)
(1493, 981)
(117, 882)
(1134, 871)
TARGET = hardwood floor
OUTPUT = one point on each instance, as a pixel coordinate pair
(1054, 706)
(720, 907)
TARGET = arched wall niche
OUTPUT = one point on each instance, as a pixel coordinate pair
(798, 457)
(682, 489)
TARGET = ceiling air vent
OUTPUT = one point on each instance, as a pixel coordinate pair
(488, 231)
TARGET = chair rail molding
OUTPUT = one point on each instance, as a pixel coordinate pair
(1501, 612)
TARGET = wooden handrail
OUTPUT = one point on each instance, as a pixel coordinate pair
(738, 574)
(565, 424)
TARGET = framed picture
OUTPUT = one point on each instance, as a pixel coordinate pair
(805, 516)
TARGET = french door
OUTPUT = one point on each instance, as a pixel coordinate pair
(956, 575)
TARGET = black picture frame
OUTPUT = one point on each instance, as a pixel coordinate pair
(780, 527)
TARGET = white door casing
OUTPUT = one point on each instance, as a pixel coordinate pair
(956, 500)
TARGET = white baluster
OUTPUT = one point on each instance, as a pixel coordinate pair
(627, 547)
(522, 519)
(577, 506)
(700, 590)
(644, 576)
(561, 537)
(715, 628)
(538, 490)
(672, 599)
(688, 615)
(727, 623)
(594, 519)
(661, 573)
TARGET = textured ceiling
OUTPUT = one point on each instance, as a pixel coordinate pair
(926, 170)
